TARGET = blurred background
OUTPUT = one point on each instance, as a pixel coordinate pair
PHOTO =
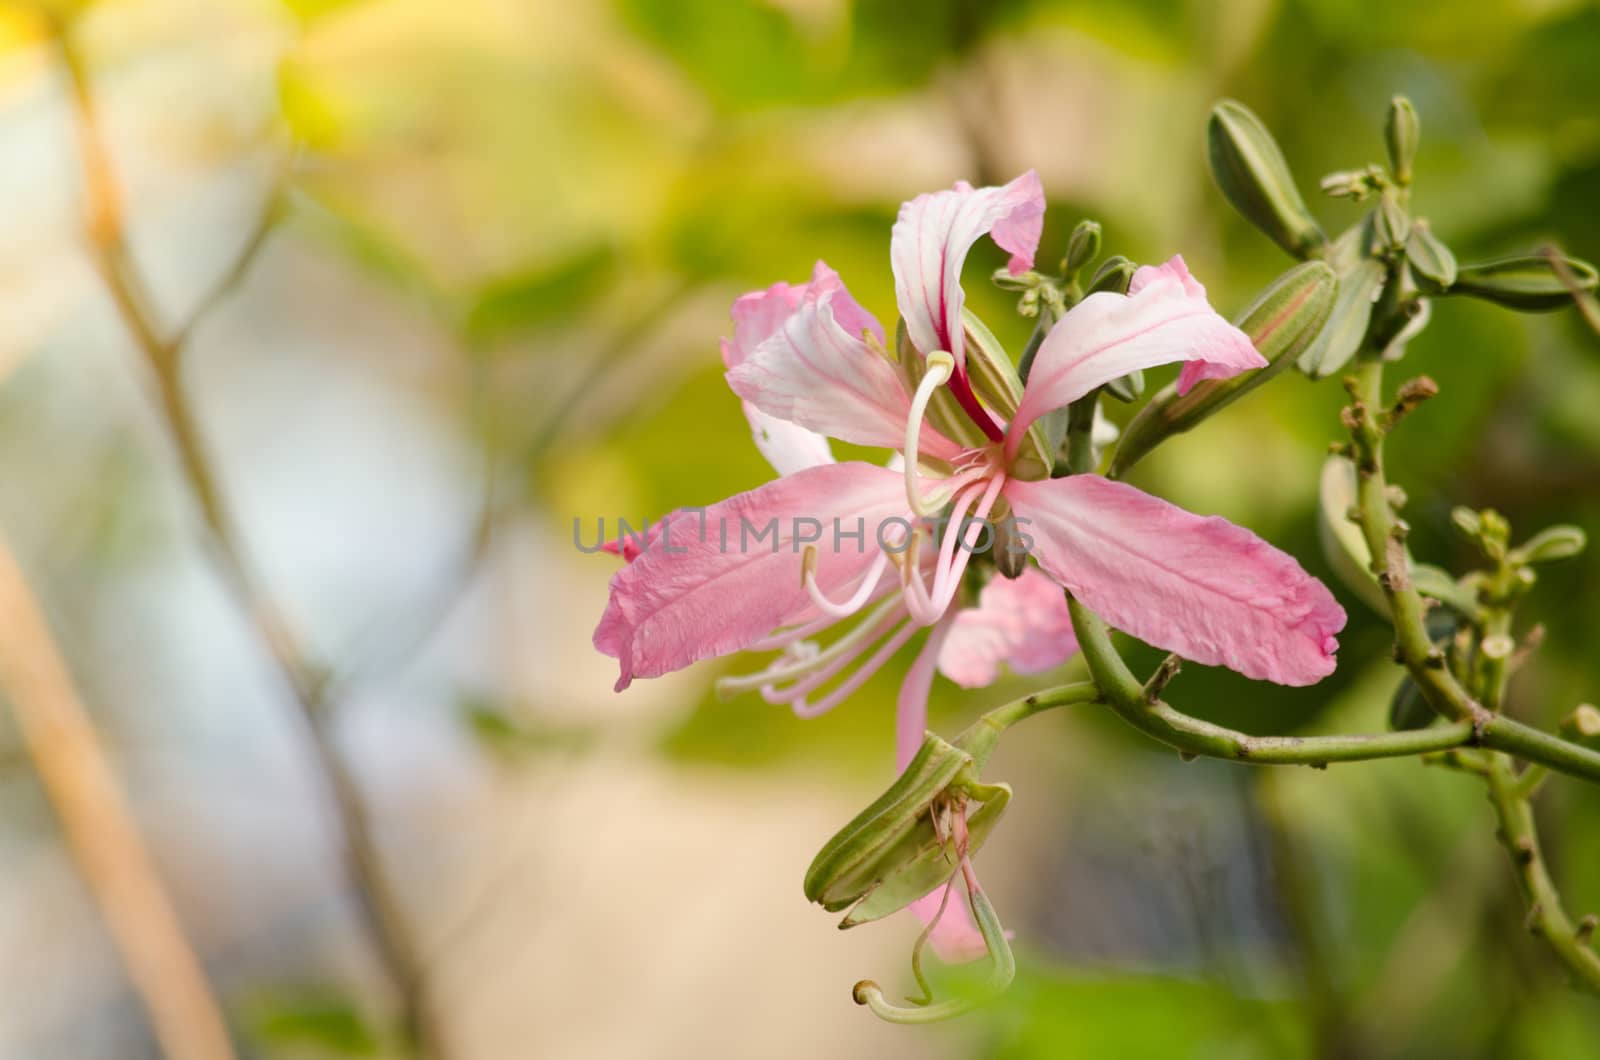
(446, 276)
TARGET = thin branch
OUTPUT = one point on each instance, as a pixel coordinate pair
(101, 831)
(379, 904)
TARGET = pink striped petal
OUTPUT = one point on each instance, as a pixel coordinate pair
(787, 446)
(930, 242)
(709, 585)
(1022, 622)
(1202, 587)
(1164, 317)
(817, 371)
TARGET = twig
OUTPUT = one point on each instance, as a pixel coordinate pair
(101, 831)
(379, 904)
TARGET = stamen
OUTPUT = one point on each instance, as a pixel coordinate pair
(792, 668)
(796, 695)
(940, 367)
(808, 578)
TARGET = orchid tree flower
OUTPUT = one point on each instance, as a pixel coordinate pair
(833, 542)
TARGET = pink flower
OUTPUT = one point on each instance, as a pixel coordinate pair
(810, 363)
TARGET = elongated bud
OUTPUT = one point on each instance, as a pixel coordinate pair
(1530, 282)
(1252, 174)
(1343, 545)
(1082, 248)
(1551, 544)
(1347, 324)
(1114, 275)
(1401, 134)
(1431, 261)
(1282, 320)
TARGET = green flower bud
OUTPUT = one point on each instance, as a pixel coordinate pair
(1401, 132)
(1431, 261)
(1082, 248)
(1114, 274)
(1252, 174)
(1530, 283)
(1346, 184)
(1341, 337)
(1551, 544)
(1343, 545)
(1283, 319)
(1127, 388)
(1390, 222)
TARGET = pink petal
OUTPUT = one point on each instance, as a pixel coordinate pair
(930, 242)
(816, 370)
(1023, 622)
(708, 587)
(787, 447)
(1164, 317)
(1202, 587)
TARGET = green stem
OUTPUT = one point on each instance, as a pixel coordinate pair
(1546, 917)
(983, 736)
(1155, 718)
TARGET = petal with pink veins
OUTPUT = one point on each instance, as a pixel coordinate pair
(1199, 586)
(817, 371)
(1022, 622)
(930, 242)
(1163, 318)
(787, 446)
(716, 581)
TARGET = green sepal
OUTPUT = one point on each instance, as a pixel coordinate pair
(922, 870)
(1530, 282)
(1252, 174)
(1285, 317)
(860, 855)
(995, 380)
(1347, 324)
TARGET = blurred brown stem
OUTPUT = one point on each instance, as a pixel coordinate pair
(379, 904)
(101, 831)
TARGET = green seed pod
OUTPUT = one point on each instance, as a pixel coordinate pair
(1082, 248)
(1530, 282)
(1252, 174)
(1347, 324)
(1283, 319)
(1114, 274)
(1401, 133)
(1431, 261)
(1551, 544)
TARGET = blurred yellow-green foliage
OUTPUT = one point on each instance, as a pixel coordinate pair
(506, 236)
